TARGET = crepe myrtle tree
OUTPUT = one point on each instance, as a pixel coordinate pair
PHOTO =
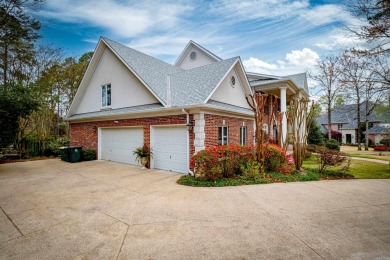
(301, 118)
(259, 102)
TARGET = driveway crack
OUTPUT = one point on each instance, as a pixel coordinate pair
(10, 219)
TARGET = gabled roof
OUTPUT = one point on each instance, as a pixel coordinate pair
(186, 87)
(195, 85)
(204, 50)
(300, 80)
(152, 71)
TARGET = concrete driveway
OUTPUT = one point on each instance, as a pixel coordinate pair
(102, 210)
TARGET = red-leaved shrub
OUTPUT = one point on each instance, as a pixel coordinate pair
(222, 161)
(382, 148)
(275, 157)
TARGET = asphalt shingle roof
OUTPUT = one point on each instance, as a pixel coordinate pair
(194, 86)
(347, 115)
(188, 87)
(380, 129)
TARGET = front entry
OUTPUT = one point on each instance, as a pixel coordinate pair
(348, 138)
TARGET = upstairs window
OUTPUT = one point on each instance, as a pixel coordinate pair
(243, 135)
(339, 127)
(106, 95)
(223, 135)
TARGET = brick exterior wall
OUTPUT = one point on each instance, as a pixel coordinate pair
(86, 134)
(214, 121)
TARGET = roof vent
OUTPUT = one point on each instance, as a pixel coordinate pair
(193, 56)
(233, 81)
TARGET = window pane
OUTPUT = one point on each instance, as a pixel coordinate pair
(104, 96)
(108, 95)
(219, 135)
(225, 135)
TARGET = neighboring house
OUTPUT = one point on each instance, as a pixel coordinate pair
(127, 99)
(344, 120)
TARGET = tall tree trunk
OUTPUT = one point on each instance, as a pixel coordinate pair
(359, 135)
(366, 114)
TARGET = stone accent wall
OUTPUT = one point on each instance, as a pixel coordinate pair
(212, 122)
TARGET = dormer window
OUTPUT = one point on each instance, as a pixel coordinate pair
(193, 56)
(106, 95)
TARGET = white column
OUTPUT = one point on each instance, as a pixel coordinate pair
(283, 109)
(199, 132)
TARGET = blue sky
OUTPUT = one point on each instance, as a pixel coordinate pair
(271, 36)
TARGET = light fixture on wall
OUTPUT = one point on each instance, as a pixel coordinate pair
(94, 128)
(189, 126)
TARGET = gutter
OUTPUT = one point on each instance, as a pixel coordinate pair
(158, 110)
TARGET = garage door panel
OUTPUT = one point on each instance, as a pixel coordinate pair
(170, 149)
(118, 144)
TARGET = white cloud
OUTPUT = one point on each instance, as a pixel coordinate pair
(123, 19)
(303, 58)
(259, 66)
(297, 61)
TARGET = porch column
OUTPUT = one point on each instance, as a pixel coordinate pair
(283, 109)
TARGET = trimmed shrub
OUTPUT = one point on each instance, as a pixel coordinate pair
(250, 171)
(385, 142)
(222, 161)
(88, 155)
(275, 158)
(381, 148)
(332, 145)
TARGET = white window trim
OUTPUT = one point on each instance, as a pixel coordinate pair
(101, 100)
(222, 137)
(242, 137)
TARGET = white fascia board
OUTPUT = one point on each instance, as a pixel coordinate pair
(132, 71)
(219, 83)
(181, 56)
(88, 73)
(263, 75)
(245, 76)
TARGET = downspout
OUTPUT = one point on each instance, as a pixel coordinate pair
(188, 148)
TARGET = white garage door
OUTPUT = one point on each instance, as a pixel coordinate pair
(170, 149)
(118, 144)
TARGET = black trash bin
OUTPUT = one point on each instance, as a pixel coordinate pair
(71, 154)
(64, 151)
(74, 154)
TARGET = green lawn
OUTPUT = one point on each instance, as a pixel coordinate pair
(376, 157)
(359, 169)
